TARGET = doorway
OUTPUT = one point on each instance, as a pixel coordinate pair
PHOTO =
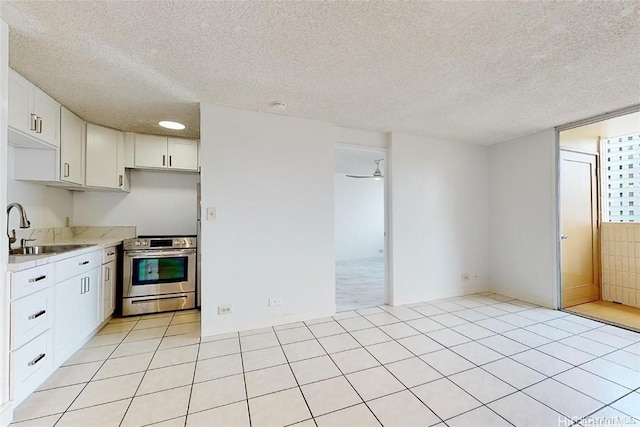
(360, 238)
(599, 200)
(579, 225)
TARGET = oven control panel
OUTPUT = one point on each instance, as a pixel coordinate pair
(172, 242)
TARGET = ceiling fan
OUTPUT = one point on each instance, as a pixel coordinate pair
(377, 175)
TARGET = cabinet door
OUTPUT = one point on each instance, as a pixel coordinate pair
(20, 100)
(66, 321)
(150, 151)
(90, 315)
(71, 147)
(48, 111)
(108, 289)
(102, 157)
(183, 154)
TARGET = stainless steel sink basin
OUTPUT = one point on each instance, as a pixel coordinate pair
(48, 249)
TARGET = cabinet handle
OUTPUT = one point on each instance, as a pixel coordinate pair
(170, 160)
(34, 122)
(88, 284)
(111, 253)
(120, 180)
(39, 125)
(82, 286)
(37, 359)
(107, 270)
(66, 170)
(83, 263)
(38, 314)
(37, 279)
(164, 160)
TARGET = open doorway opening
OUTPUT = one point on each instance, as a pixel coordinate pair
(600, 220)
(359, 227)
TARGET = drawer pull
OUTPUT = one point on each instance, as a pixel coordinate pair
(83, 263)
(37, 359)
(111, 253)
(38, 314)
(37, 279)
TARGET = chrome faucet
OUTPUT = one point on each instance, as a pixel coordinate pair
(24, 222)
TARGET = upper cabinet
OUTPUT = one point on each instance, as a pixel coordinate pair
(34, 117)
(105, 158)
(160, 152)
(72, 147)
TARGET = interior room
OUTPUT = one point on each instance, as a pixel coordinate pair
(360, 228)
(178, 214)
(598, 224)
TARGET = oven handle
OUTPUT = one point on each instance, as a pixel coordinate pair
(159, 253)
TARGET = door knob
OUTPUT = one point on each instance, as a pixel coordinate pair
(564, 236)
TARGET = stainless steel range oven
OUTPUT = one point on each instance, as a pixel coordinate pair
(159, 274)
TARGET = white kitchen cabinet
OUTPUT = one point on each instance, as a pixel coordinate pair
(72, 146)
(183, 154)
(105, 159)
(77, 302)
(109, 280)
(150, 151)
(89, 314)
(66, 324)
(160, 152)
(34, 117)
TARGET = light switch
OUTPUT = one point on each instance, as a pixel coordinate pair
(211, 214)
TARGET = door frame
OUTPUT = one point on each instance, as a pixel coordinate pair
(388, 285)
(598, 216)
(594, 119)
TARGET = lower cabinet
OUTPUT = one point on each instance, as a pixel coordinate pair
(108, 289)
(77, 313)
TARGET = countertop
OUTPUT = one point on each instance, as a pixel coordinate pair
(23, 262)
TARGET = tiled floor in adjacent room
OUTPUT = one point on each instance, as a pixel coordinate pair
(359, 283)
(475, 361)
(610, 312)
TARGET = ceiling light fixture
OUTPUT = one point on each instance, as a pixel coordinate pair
(171, 125)
(279, 106)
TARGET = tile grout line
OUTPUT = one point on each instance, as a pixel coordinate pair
(193, 382)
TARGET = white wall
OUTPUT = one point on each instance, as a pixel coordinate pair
(159, 203)
(439, 218)
(45, 206)
(270, 178)
(6, 413)
(359, 216)
(523, 218)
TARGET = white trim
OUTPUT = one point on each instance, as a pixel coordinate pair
(599, 118)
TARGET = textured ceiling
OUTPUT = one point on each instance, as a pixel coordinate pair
(478, 72)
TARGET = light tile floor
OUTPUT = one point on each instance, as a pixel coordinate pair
(610, 312)
(480, 360)
(359, 283)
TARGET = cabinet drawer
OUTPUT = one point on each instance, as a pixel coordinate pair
(109, 254)
(32, 280)
(31, 365)
(30, 316)
(76, 265)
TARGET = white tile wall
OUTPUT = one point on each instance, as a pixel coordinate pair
(621, 262)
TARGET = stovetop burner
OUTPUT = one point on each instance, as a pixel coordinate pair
(166, 236)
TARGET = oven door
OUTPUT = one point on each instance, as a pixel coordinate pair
(158, 272)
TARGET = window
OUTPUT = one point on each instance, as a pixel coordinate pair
(628, 147)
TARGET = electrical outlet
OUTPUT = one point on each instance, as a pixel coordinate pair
(275, 301)
(224, 309)
(465, 277)
(211, 214)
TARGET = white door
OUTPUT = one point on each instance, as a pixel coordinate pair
(48, 111)
(183, 154)
(71, 147)
(102, 157)
(67, 294)
(20, 100)
(579, 228)
(90, 315)
(108, 289)
(150, 151)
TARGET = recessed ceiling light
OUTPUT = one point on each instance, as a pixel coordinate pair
(279, 106)
(171, 125)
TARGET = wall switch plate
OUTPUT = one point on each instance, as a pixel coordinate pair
(211, 214)
(465, 277)
(275, 301)
(224, 309)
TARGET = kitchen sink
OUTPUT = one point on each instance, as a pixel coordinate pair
(48, 249)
